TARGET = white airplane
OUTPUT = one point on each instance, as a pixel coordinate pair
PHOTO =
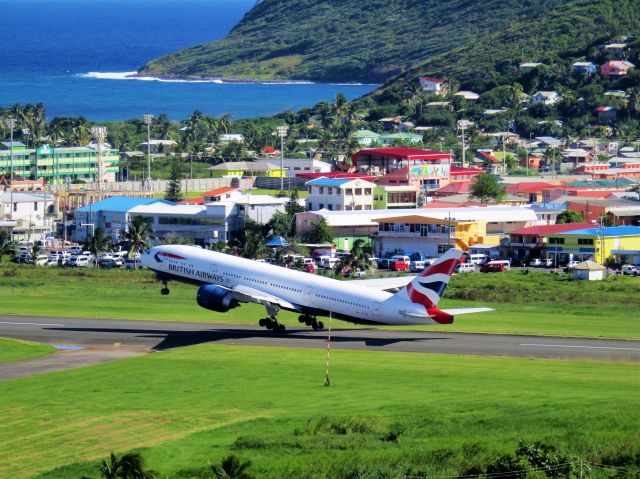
(226, 281)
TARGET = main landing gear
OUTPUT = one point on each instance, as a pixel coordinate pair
(311, 321)
(271, 323)
(165, 289)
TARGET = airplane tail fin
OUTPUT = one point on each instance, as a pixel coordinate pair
(428, 287)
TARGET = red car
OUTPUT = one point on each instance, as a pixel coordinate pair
(492, 268)
(399, 265)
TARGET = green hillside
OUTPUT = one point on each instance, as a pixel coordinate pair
(555, 38)
(345, 40)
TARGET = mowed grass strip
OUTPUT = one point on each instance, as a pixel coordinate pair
(189, 406)
(14, 350)
(534, 304)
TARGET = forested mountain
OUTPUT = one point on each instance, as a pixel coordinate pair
(555, 38)
(348, 40)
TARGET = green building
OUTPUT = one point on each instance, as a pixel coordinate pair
(59, 165)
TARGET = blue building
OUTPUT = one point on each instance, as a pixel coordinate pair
(110, 214)
(584, 68)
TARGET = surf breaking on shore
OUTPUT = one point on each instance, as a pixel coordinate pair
(169, 79)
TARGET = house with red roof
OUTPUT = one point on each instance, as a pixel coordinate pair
(616, 68)
(433, 85)
(221, 194)
(531, 242)
(531, 190)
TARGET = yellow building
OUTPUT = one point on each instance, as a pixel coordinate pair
(615, 243)
(430, 236)
(239, 169)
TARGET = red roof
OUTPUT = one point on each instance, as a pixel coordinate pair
(408, 154)
(455, 188)
(550, 229)
(192, 201)
(489, 157)
(433, 79)
(269, 150)
(219, 191)
(459, 171)
(528, 187)
(343, 175)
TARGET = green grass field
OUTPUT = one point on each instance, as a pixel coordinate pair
(384, 412)
(12, 350)
(536, 304)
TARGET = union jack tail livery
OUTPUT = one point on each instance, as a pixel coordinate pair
(427, 288)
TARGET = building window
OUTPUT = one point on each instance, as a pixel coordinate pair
(585, 241)
(320, 189)
(15, 207)
(330, 190)
(321, 206)
(309, 188)
(367, 191)
(330, 207)
(35, 206)
(367, 207)
(556, 240)
(358, 191)
(310, 206)
(348, 191)
(443, 248)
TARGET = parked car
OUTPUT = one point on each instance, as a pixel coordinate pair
(548, 262)
(52, 261)
(417, 266)
(110, 263)
(430, 260)
(104, 256)
(309, 268)
(384, 263)
(535, 263)
(477, 258)
(492, 267)
(398, 265)
(79, 261)
(465, 268)
(630, 270)
(41, 260)
(328, 262)
(75, 250)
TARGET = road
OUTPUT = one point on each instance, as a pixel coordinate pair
(160, 335)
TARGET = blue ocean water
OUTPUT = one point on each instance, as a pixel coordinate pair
(71, 56)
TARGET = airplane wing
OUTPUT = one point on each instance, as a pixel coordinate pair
(456, 312)
(384, 284)
(247, 294)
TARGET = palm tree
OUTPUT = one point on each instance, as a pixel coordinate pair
(224, 122)
(232, 468)
(138, 235)
(161, 126)
(99, 242)
(358, 259)
(6, 245)
(129, 466)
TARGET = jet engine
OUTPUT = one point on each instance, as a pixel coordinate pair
(215, 298)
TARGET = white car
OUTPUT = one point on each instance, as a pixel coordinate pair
(535, 263)
(417, 266)
(104, 257)
(630, 270)
(79, 261)
(465, 268)
(41, 260)
(572, 264)
(52, 261)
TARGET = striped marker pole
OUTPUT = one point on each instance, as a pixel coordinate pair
(327, 382)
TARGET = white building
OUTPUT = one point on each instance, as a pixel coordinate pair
(339, 194)
(228, 138)
(27, 215)
(467, 95)
(433, 85)
(546, 98)
(295, 166)
(258, 208)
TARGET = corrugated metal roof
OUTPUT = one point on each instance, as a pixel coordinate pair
(608, 232)
(541, 230)
(120, 204)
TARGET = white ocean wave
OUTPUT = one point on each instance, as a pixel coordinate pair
(133, 76)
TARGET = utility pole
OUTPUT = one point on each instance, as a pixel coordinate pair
(282, 133)
(148, 119)
(100, 135)
(11, 123)
(463, 124)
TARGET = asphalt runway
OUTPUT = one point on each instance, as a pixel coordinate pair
(142, 336)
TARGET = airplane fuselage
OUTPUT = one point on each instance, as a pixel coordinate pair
(307, 293)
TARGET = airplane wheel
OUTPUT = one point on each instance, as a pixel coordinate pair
(280, 329)
(262, 322)
(308, 322)
(164, 291)
(320, 325)
(270, 324)
(314, 325)
(302, 318)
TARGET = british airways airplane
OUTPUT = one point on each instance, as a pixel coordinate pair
(225, 281)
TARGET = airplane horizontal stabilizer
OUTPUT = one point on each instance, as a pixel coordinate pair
(456, 312)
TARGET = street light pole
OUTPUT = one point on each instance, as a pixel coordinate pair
(11, 123)
(282, 133)
(148, 119)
